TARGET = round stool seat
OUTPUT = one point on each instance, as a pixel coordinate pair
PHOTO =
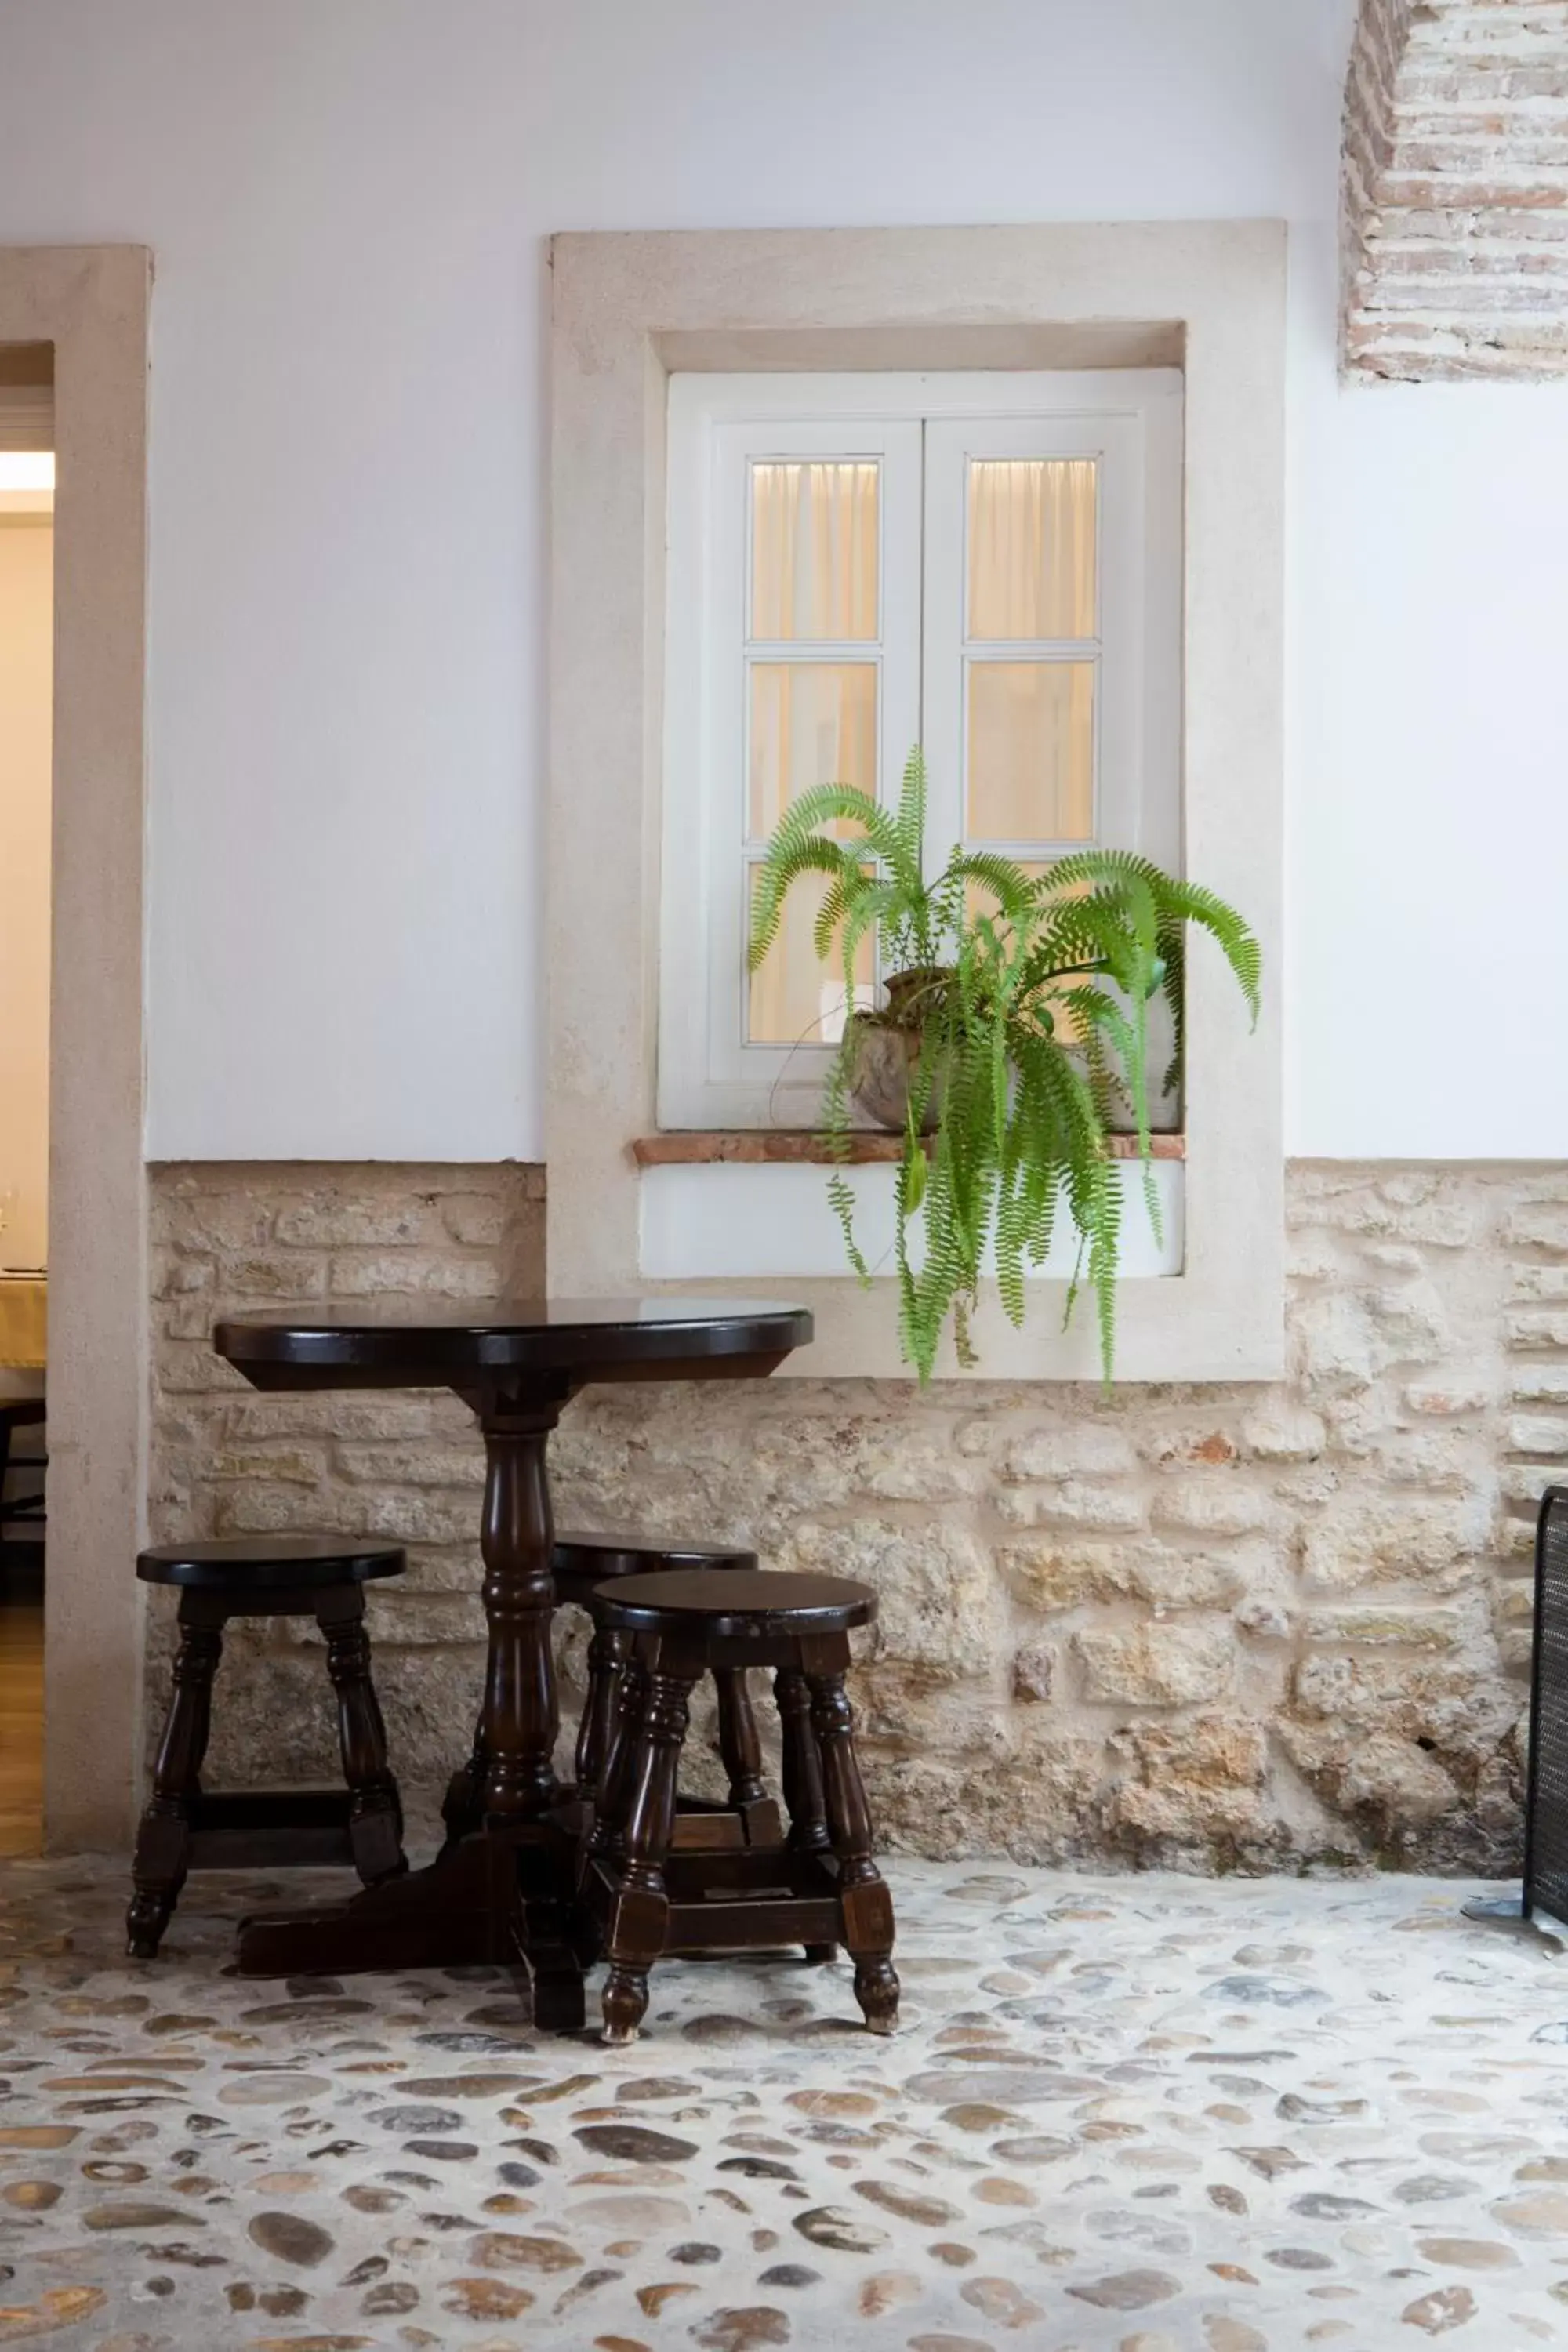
(577, 1554)
(582, 1562)
(240, 1564)
(767, 1602)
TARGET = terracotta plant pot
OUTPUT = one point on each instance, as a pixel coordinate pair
(885, 1052)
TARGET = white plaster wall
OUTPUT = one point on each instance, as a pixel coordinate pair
(26, 662)
(1427, 840)
(348, 206)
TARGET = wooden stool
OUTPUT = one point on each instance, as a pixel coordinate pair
(27, 1510)
(822, 1888)
(581, 1564)
(185, 1829)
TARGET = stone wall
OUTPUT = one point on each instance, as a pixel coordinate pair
(231, 1236)
(1225, 1626)
(1455, 190)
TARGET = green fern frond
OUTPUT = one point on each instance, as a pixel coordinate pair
(1032, 1019)
(771, 886)
(1006, 881)
(910, 819)
(1187, 902)
(875, 903)
(829, 915)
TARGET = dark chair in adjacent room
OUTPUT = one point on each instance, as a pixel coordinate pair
(23, 1511)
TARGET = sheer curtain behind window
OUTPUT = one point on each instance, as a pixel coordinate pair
(811, 719)
(1031, 547)
(813, 550)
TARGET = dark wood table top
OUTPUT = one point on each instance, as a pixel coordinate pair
(466, 1343)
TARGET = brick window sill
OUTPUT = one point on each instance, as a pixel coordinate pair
(774, 1147)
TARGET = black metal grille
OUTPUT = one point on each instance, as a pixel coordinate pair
(1546, 1805)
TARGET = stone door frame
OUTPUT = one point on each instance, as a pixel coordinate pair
(91, 303)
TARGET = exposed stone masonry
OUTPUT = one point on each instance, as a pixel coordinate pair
(1455, 190)
(1218, 1626)
(404, 1465)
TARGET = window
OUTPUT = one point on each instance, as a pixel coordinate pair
(988, 564)
(630, 312)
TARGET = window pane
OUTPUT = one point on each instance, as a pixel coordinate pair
(796, 999)
(1031, 752)
(1031, 547)
(813, 550)
(812, 723)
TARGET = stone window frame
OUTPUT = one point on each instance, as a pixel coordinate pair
(629, 309)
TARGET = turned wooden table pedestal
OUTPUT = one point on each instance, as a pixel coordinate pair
(501, 1890)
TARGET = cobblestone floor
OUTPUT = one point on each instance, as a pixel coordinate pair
(1131, 2115)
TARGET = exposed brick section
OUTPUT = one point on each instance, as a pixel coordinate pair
(1224, 1625)
(1455, 190)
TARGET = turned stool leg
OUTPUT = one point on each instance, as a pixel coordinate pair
(375, 1813)
(802, 1778)
(802, 1763)
(639, 1915)
(607, 1837)
(608, 1655)
(867, 1905)
(740, 1747)
(163, 1841)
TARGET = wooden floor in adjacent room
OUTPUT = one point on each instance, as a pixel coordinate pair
(21, 1727)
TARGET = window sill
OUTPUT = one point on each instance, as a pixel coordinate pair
(776, 1146)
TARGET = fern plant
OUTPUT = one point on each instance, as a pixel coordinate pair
(1024, 1001)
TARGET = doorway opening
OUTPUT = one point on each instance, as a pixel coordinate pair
(26, 690)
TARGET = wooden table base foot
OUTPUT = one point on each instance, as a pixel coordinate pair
(502, 1896)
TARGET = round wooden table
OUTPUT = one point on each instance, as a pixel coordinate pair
(503, 1886)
